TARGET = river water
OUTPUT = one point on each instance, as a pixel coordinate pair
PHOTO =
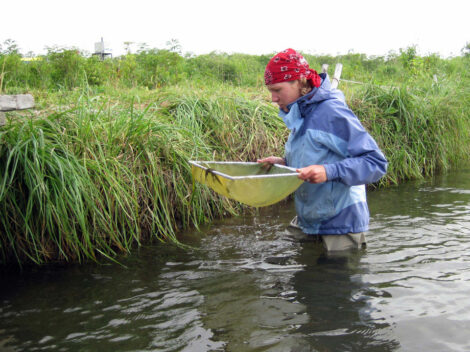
(248, 285)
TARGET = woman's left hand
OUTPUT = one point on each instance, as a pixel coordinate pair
(313, 174)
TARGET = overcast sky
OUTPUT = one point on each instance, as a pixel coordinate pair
(372, 27)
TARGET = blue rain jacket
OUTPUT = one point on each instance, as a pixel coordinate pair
(324, 131)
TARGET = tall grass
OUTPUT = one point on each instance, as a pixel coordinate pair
(422, 130)
(100, 177)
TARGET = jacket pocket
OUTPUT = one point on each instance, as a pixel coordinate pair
(317, 202)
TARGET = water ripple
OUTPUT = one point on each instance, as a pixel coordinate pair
(248, 286)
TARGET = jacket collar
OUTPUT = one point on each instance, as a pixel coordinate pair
(312, 97)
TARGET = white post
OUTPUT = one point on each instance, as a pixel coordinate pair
(336, 76)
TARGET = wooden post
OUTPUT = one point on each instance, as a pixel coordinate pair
(14, 102)
(336, 76)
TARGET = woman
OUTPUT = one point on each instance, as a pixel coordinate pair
(330, 150)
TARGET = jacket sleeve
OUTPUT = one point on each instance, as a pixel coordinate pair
(362, 161)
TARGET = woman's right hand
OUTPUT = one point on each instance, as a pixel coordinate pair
(272, 160)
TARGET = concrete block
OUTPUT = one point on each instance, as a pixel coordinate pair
(2, 118)
(16, 102)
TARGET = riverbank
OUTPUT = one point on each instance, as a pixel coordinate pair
(94, 171)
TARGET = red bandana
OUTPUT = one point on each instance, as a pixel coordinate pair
(289, 65)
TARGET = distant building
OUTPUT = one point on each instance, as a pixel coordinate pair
(101, 50)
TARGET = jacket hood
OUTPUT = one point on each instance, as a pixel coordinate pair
(317, 95)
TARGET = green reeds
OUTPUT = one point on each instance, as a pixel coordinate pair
(422, 130)
(101, 177)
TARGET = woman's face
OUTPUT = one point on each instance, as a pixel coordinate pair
(284, 93)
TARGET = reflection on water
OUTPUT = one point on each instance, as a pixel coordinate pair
(419, 256)
(248, 285)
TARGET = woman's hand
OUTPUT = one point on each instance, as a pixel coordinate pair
(272, 160)
(313, 174)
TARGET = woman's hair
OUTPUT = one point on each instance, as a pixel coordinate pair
(305, 86)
